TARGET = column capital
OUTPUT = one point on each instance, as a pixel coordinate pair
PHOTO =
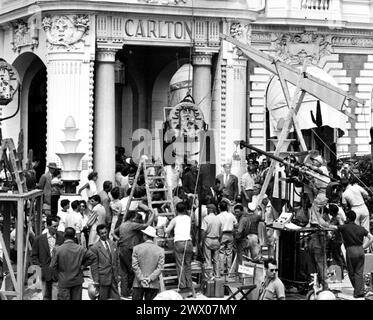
(106, 55)
(202, 58)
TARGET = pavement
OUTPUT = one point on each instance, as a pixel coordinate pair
(343, 290)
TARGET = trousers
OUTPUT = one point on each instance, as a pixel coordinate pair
(226, 252)
(141, 293)
(355, 266)
(126, 272)
(109, 292)
(211, 254)
(70, 293)
(184, 249)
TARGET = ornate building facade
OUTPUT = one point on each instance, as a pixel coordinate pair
(108, 65)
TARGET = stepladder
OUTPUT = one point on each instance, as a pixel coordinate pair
(12, 165)
(151, 184)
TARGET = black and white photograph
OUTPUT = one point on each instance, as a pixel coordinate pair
(212, 152)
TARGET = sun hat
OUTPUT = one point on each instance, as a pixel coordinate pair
(150, 231)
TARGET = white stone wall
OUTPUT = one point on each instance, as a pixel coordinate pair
(364, 114)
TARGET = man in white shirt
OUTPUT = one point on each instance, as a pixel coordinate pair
(228, 221)
(65, 205)
(74, 219)
(354, 195)
(247, 186)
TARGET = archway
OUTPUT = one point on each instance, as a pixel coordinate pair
(33, 115)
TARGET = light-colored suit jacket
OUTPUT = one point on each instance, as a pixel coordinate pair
(104, 270)
(147, 262)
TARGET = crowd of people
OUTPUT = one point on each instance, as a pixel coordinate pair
(114, 237)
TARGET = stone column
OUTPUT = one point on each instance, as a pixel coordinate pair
(119, 83)
(104, 117)
(202, 83)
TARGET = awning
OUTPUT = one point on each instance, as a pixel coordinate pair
(277, 106)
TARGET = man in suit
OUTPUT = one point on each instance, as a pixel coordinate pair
(42, 249)
(189, 179)
(105, 200)
(105, 268)
(45, 183)
(69, 260)
(147, 263)
(228, 183)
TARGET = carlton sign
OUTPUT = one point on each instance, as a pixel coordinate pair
(158, 29)
(119, 28)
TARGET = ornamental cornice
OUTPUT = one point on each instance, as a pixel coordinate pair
(65, 32)
(339, 38)
(106, 55)
(24, 36)
(202, 58)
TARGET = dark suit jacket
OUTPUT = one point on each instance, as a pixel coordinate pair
(147, 262)
(230, 189)
(104, 271)
(41, 255)
(189, 182)
(69, 260)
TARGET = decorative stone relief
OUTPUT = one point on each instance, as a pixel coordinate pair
(295, 48)
(24, 36)
(65, 32)
(241, 32)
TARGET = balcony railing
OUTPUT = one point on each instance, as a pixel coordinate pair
(319, 5)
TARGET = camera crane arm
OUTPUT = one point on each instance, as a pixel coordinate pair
(302, 168)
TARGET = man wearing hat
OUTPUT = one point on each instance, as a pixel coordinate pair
(211, 235)
(147, 263)
(45, 183)
(228, 182)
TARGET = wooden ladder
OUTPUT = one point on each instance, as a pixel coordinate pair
(13, 164)
(143, 165)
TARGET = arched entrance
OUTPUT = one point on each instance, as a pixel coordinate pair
(33, 115)
(37, 119)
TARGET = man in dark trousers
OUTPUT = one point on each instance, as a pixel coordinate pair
(42, 250)
(353, 240)
(105, 268)
(147, 263)
(69, 260)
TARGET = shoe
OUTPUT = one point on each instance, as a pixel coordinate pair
(362, 295)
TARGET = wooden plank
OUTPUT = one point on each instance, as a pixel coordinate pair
(286, 92)
(20, 247)
(9, 264)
